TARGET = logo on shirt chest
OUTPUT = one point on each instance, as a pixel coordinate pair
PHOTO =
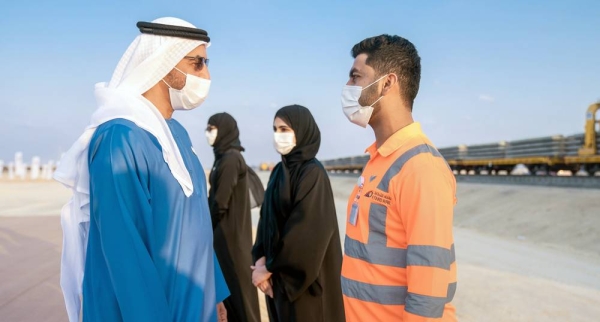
(379, 197)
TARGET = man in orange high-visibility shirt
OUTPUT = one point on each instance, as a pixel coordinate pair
(399, 260)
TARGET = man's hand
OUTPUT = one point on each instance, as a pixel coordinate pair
(221, 312)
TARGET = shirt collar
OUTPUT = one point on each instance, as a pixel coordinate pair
(396, 141)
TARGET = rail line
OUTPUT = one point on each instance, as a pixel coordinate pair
(553, 154)
(530, 180)
(580, 182)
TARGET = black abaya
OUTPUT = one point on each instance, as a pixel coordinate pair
(298, 231)
(229, 203)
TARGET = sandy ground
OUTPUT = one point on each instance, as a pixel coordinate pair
(29, 269)
(524, 253)
(557, 217)
(22, 198)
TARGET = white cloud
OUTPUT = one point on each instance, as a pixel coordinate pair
(486, 98)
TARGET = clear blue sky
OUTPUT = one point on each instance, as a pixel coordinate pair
(491, 70)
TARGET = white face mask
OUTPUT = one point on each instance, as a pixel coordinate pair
(211, 136)
(193, 93)
(284, 142)
(357, 114)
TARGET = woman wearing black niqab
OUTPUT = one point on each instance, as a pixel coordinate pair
(297, 249)
(229, 203)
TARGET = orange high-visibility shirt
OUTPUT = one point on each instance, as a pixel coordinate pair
(399, 262)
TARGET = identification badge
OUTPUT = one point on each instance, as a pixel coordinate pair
(353, 214)
(354, 210)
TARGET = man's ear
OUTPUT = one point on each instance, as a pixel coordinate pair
(388, 83)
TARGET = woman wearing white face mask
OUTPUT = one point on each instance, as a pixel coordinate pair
(229, 204)
(297, 250)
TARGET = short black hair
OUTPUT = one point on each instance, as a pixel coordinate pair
(393, 54)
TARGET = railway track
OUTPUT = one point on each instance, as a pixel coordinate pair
(581, 182)
(546, 181)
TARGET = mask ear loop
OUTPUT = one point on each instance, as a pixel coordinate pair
(380, 97)
(177, 69)
(380, 78)
(163, 80)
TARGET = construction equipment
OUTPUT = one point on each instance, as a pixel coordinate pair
(589, 146)
(546, 155)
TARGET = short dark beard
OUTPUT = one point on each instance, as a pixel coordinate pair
(369, 95)
(175, 79)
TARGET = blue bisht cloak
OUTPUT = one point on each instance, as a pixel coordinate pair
(150, 251)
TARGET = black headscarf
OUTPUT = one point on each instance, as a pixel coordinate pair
(306, 130)
(278, 201)
(228, 135)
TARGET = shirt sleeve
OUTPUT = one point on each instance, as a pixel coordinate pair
(306, 235)
(426, 198)
(119, 204)
(258, 250)
(220, 284)
(226, 180)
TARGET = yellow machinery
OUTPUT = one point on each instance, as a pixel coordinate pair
(587, 157)
(588, 154)
(264, 166)
(589, 145)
